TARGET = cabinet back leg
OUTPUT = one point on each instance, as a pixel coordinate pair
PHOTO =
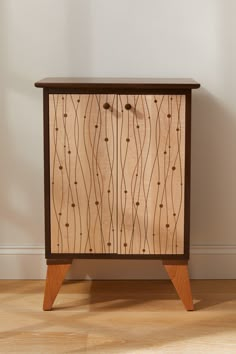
(55, 276)
(178, 273)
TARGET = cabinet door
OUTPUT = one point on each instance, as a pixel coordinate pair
(151, 161)
(82, 173)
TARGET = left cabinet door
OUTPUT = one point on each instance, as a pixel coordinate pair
(82, 141)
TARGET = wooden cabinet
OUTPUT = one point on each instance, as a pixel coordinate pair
(117, 172)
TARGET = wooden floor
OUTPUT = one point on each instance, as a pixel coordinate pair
(118, 317)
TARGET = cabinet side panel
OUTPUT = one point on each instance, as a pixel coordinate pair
(82, 170)
(151, 165)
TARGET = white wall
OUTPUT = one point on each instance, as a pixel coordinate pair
(127, 38)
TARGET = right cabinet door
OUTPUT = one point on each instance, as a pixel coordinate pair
(151, 170)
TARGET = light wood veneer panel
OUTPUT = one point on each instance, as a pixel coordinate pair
(117, 174)
(82, 174)
(151, 174)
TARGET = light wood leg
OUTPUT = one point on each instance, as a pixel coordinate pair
(55, 276)
(178, 273)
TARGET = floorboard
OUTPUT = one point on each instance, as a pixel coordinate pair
(118, 317)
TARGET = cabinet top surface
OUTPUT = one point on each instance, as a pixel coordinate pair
(137, 83)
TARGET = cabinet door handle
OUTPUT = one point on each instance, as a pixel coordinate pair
(128, 106)
(106, 105)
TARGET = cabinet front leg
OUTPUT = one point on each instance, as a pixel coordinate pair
(178, 273)
(56, 272)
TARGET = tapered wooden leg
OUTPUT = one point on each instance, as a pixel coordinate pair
(178, 273)
(55, 276)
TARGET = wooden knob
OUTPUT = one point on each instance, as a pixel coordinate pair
(128, 106)
(106, 105)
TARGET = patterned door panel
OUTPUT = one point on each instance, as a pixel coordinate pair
(82, 154)
(151, 146)
(117, 174)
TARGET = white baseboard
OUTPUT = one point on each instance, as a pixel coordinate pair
(206, 262)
